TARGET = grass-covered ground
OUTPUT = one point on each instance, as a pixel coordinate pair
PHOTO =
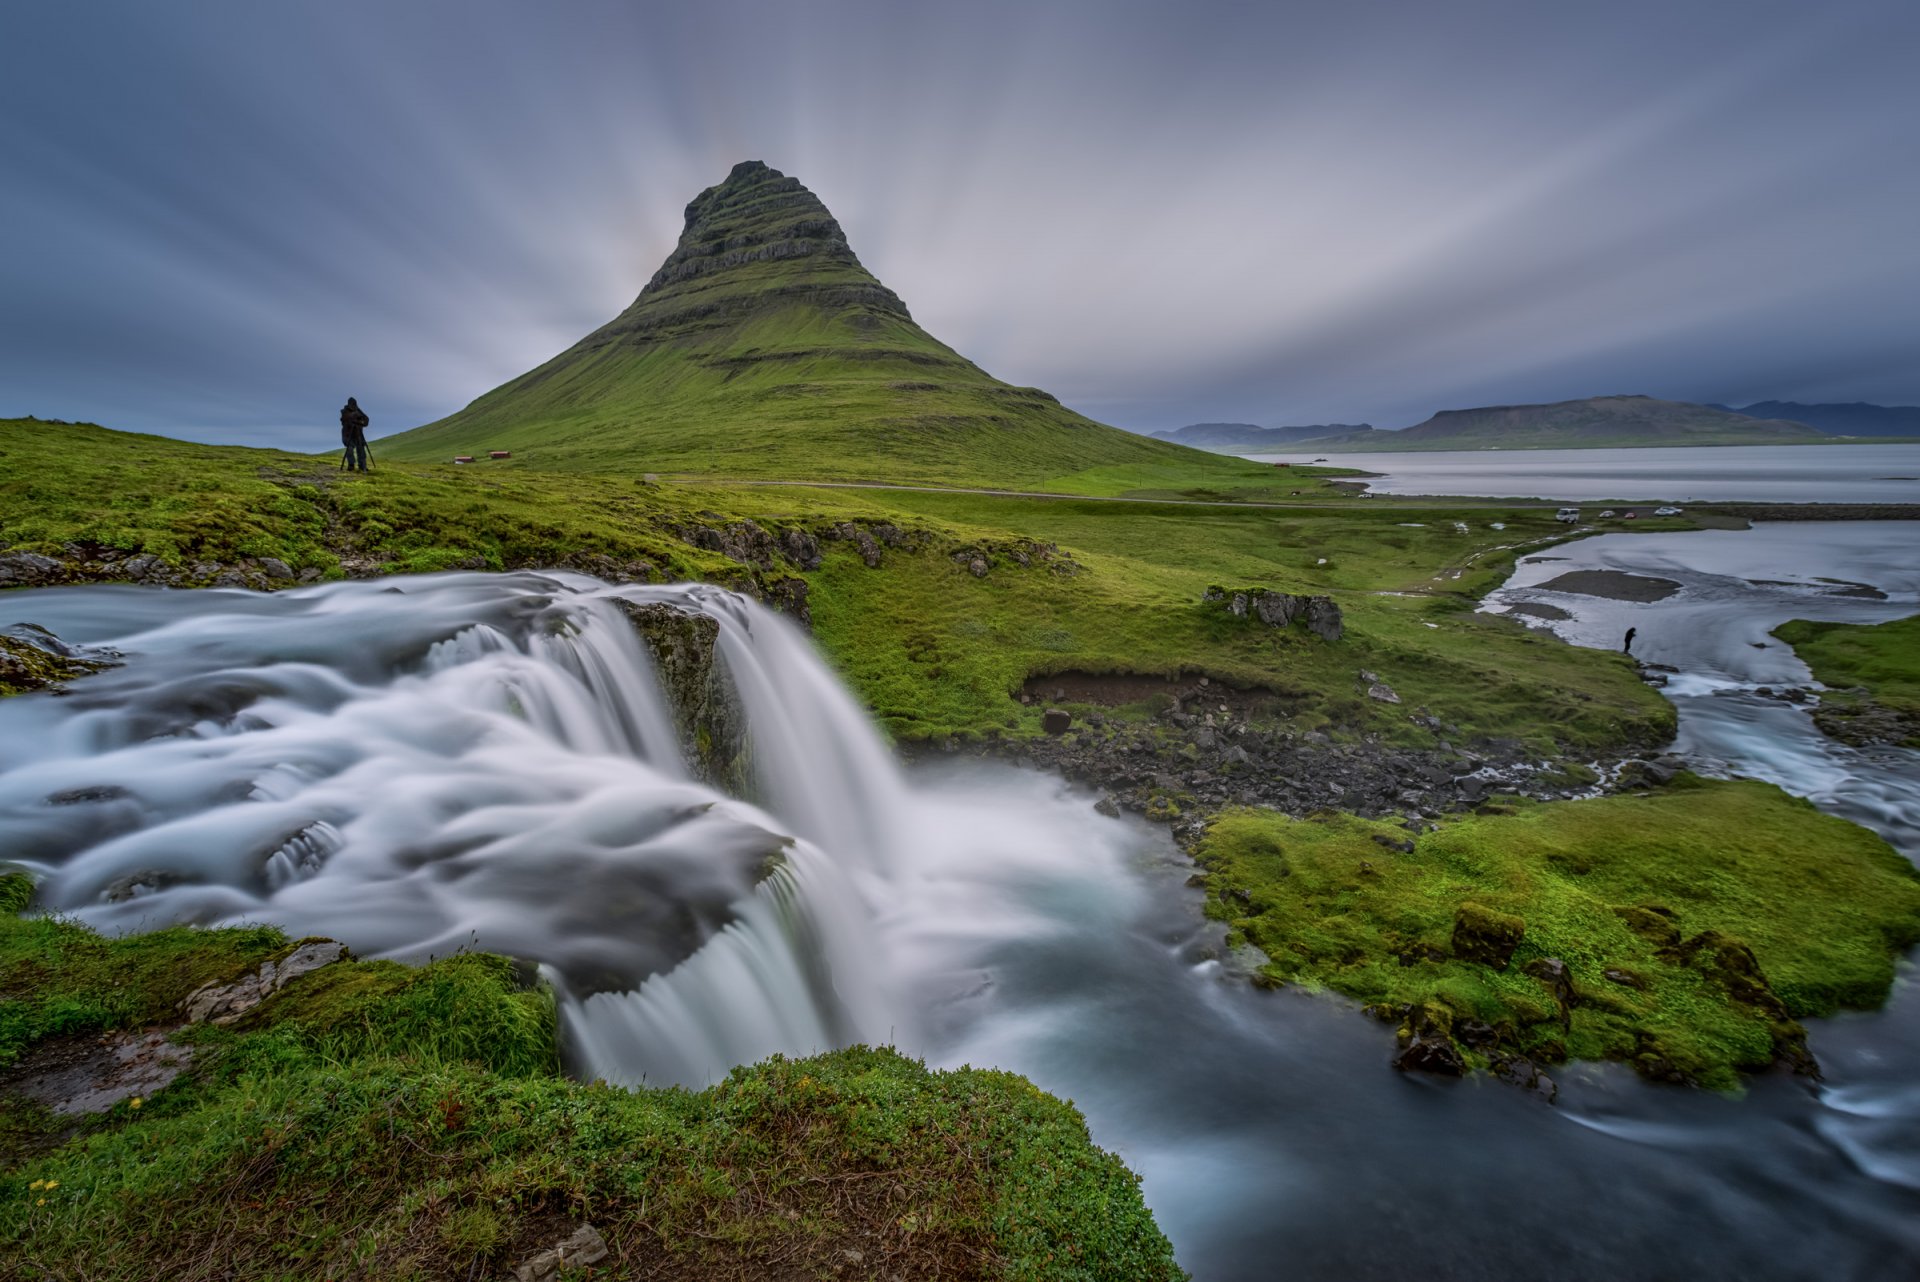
(379, 1121)
(1873, 671)
(934, 650)
(1696, 922)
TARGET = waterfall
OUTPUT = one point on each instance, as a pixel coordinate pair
(485, 762)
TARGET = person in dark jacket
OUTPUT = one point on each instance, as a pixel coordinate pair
(353, 435)
(1626, 647)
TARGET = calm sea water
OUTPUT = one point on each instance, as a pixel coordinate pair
(1742, 473)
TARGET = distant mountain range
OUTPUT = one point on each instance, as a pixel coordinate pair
(1856, 418)
(1250, 437)
(1596, 422)
(1593, 423)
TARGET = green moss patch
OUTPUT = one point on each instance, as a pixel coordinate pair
(375, 1120)
(1873, 671)
(25, 667)
(1696, 924)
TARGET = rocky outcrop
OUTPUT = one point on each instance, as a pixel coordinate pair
(224, 1003)
(706, 708)
(745, 541)
(83, 563)
(1426, 1042)
(1026, 554)
(1318, 614)
(32, 658)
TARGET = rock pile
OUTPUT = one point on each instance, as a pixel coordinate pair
(1318, 614)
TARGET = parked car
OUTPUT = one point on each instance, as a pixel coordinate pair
(1629, 515)
(1604, 515)
(1667, 511)
(1567, 514)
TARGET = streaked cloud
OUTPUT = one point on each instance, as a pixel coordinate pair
(222, 218)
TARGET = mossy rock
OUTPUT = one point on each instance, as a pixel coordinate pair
(1481, 934)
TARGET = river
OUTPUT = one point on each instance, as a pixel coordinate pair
(421, 763)
(1690, 473)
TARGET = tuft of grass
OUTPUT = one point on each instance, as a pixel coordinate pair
(1628, 884)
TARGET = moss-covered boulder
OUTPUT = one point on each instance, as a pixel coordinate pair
(1482, 935)
(32, 658)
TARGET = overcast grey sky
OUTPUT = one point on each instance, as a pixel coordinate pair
(219, 218)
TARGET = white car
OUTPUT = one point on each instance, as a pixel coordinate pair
(1666, 511)
(1606, 514)
(1567, 514)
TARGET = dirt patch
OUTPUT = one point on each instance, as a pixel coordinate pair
(1614, 585)
(1120, 689)
(90, 1073)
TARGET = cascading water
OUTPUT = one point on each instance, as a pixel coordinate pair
(430, 763)
(488, 762)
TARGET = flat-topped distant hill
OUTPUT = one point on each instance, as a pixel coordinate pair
(1251, 438)
(763, 348)
(1856, 418)
(1594, 423)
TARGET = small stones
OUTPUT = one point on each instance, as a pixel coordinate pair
(1056, 721)
(977, 567)
(1107, 806)
(274, 568)
(1524, 1073)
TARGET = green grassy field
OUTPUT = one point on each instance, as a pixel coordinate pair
(375, 1120)
(935, 651)
(1643, 897)
(1881, 661)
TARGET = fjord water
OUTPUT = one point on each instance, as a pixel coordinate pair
(1678, 474)
(428, 763)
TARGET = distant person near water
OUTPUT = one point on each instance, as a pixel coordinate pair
(353, 435)
(1626, 647)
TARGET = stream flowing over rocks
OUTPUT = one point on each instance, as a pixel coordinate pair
(661, 800)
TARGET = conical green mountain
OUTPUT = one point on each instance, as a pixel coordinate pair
(763, 348)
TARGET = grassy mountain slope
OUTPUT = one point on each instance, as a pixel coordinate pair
(763, 348)
(1594, 423)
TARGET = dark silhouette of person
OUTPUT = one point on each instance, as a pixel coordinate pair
(1627, 646)
(353, 435)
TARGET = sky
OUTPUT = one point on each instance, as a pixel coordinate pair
(219, 219)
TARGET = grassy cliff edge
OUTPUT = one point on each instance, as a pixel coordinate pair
(376, 1120)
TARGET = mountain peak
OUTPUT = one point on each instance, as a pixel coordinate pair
(756, 240)
(762, 326)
